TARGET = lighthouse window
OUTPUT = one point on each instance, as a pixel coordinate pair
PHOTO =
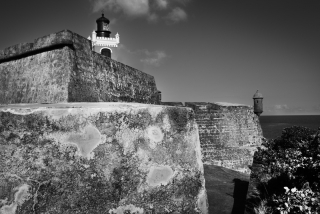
(105, 26)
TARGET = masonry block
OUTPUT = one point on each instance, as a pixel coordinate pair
(100, 158)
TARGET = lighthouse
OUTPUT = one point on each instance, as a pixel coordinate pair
(101, 41)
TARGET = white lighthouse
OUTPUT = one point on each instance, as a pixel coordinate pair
(101, 40)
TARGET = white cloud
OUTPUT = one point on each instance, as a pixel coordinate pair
(134, 7)
(152, 10)
(129, 7)
(176, 15)
(316, 107)
(162, 4)
(153, 18)
(281, 107)
(99, 5)
(183, 1)
(154, 58)
(113, 21)
(122, 47)
(284, 109)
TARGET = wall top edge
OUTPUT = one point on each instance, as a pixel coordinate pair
(61, 38)
(81, 105)
(29, 108)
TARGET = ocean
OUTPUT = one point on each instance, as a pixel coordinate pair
(272, 126)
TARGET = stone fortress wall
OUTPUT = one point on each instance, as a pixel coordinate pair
(229, 133)
(61, 67)
(78, 134)
(105, 157)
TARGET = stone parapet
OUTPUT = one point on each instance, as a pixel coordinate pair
(100, 158)
(62, 67)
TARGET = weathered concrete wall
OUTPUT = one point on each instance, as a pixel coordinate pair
(61, 67)
(229, 134)
(100, 158)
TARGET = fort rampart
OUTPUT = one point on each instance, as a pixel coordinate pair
(55, 137)
(61, 67)
(78, 135)
(229, 133)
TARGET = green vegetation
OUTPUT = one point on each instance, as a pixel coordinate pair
(287, 178)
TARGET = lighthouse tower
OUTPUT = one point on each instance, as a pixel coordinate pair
(101, 40)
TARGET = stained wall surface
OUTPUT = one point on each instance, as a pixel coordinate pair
(100, 158)
(61, 67)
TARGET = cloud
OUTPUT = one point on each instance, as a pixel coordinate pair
(162, 4)
(316, 108)
(284, 109)
(152, 10)
(134, 7)
(154, 58)
(99, 5)
(122, 47)
(129, 7)
(153, 18)
(281, 107)
(183, 1)
(176, 15)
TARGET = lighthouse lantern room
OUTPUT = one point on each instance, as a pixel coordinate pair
(101, 40)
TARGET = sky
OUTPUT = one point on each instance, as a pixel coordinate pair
(197, 50)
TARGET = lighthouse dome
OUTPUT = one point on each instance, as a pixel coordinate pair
(103, 19)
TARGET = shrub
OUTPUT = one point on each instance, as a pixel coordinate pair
(297, 201)
(291, 161)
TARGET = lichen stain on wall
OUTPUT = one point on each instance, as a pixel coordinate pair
(126, 136)
(159, 175)
(166, 123)
(155, 135)
(125, 209)
(19, 197)
(9, 209)
(154, 112)
(86, 141)
(58, 113)
(22, 194)
(194, 150)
